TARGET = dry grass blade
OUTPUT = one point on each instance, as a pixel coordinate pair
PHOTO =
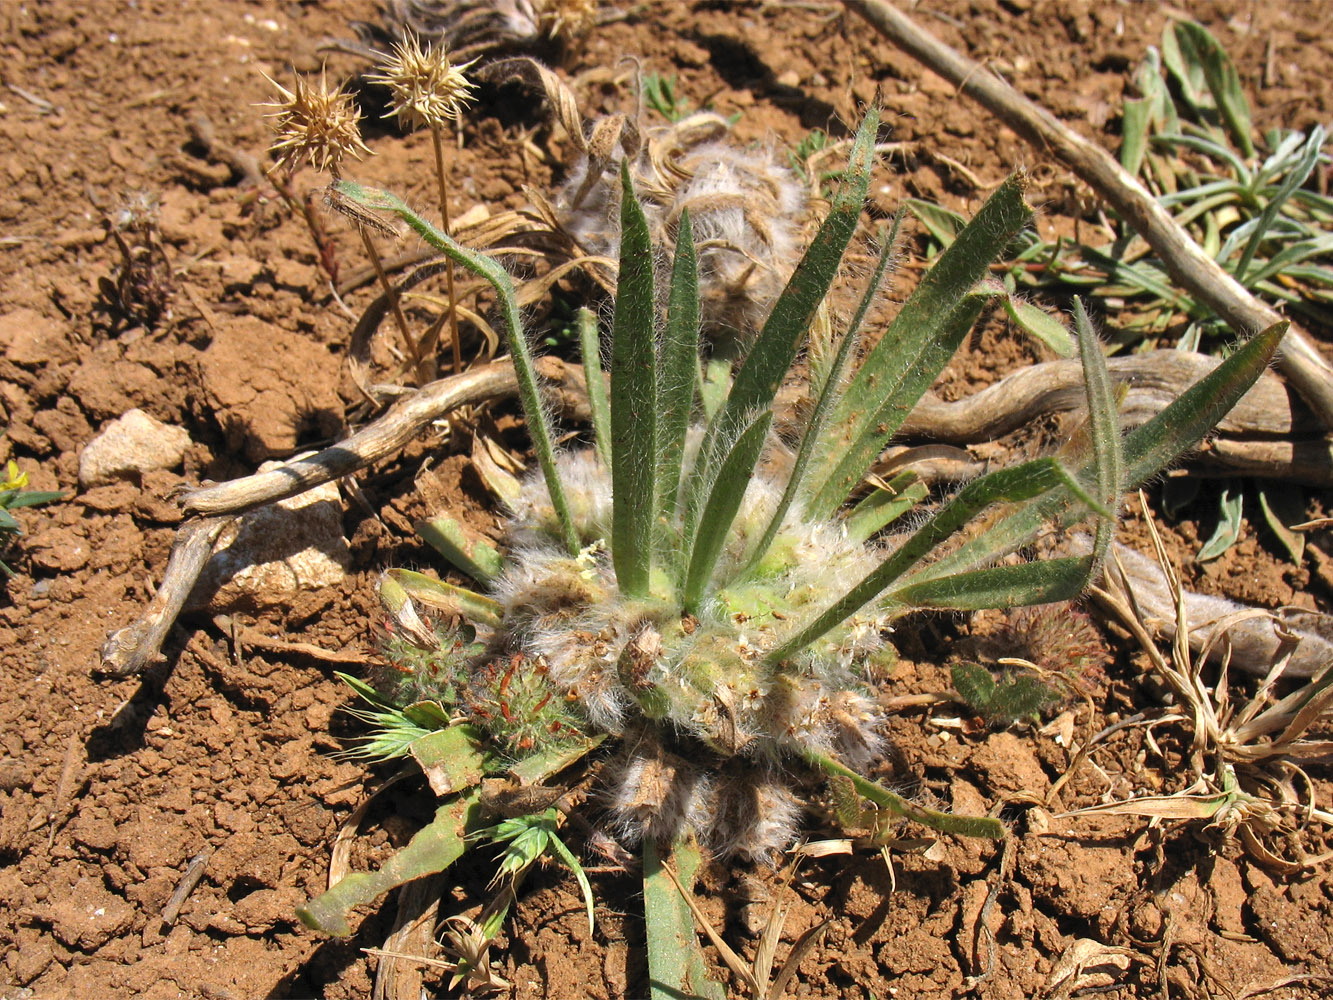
(341, 853)
(418, 904)
(1245, 777)
(756, 975)
(739, 967)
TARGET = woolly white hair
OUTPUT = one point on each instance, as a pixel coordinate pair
(746, 209)
(602, 651)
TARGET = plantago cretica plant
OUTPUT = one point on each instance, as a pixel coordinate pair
(694, 592)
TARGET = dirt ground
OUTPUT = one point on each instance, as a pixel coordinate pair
(227, 751)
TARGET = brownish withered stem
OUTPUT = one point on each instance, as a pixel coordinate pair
(391, 294)
(282, 183)
(429, 349)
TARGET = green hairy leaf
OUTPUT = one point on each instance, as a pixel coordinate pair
(634, 401)
(433, 849)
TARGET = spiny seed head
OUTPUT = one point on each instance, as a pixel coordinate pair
(316, 123)
(566, 18)
(427, 89)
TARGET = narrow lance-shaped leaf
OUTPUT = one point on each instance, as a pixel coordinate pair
(1296, 175)
(1230, 509)
(915, 348)
(1198, 45)
(1108, 460)
(598, 400)
(963, 826)
(455, 600)
(1021, 482)
(723, 502)
(1041, 582)
(433, 849)
(679, 370)
(769, 360)
(882, 508)
(474, 556)
(1147, 450)
(827, 398)
(539, 424)
(676, 966)
(1185, 422)
(633, 401)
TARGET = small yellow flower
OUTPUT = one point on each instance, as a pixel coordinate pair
(14, 479)
(316, 123)
(427, 89)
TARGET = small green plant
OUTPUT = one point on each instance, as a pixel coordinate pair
(659, 94)
(1189, 137)
(1018, 697)
(12, 497)
(695, 596)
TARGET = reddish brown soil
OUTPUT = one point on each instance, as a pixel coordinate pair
(108, 789)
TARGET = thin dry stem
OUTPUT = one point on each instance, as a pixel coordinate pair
(395, 306)
(437, 139)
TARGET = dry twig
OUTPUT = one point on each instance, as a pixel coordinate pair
(129, 650)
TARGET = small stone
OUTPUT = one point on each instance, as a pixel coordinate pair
(132, 444)
(791, 79)
(272, 554)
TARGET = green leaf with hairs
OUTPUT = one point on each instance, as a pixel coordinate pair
(1017, 483)
(882, 508)
(1188, 418)
(474, 556)
(1200, 49)
(915, 348)
(634, 401)
(451, 758)
(827, 399)
(769, 360)
(433, 849)
(962, 826)
(599, 402)
(676, 966)
(1001, 703)
(1043, 582)
(1230, 518)
(447, 597)
(719, 511)
(539, 424)
(679, 362)
(1039, 325)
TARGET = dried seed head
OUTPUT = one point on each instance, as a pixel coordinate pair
(566, 18)
(427, 89)
(316, 123)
